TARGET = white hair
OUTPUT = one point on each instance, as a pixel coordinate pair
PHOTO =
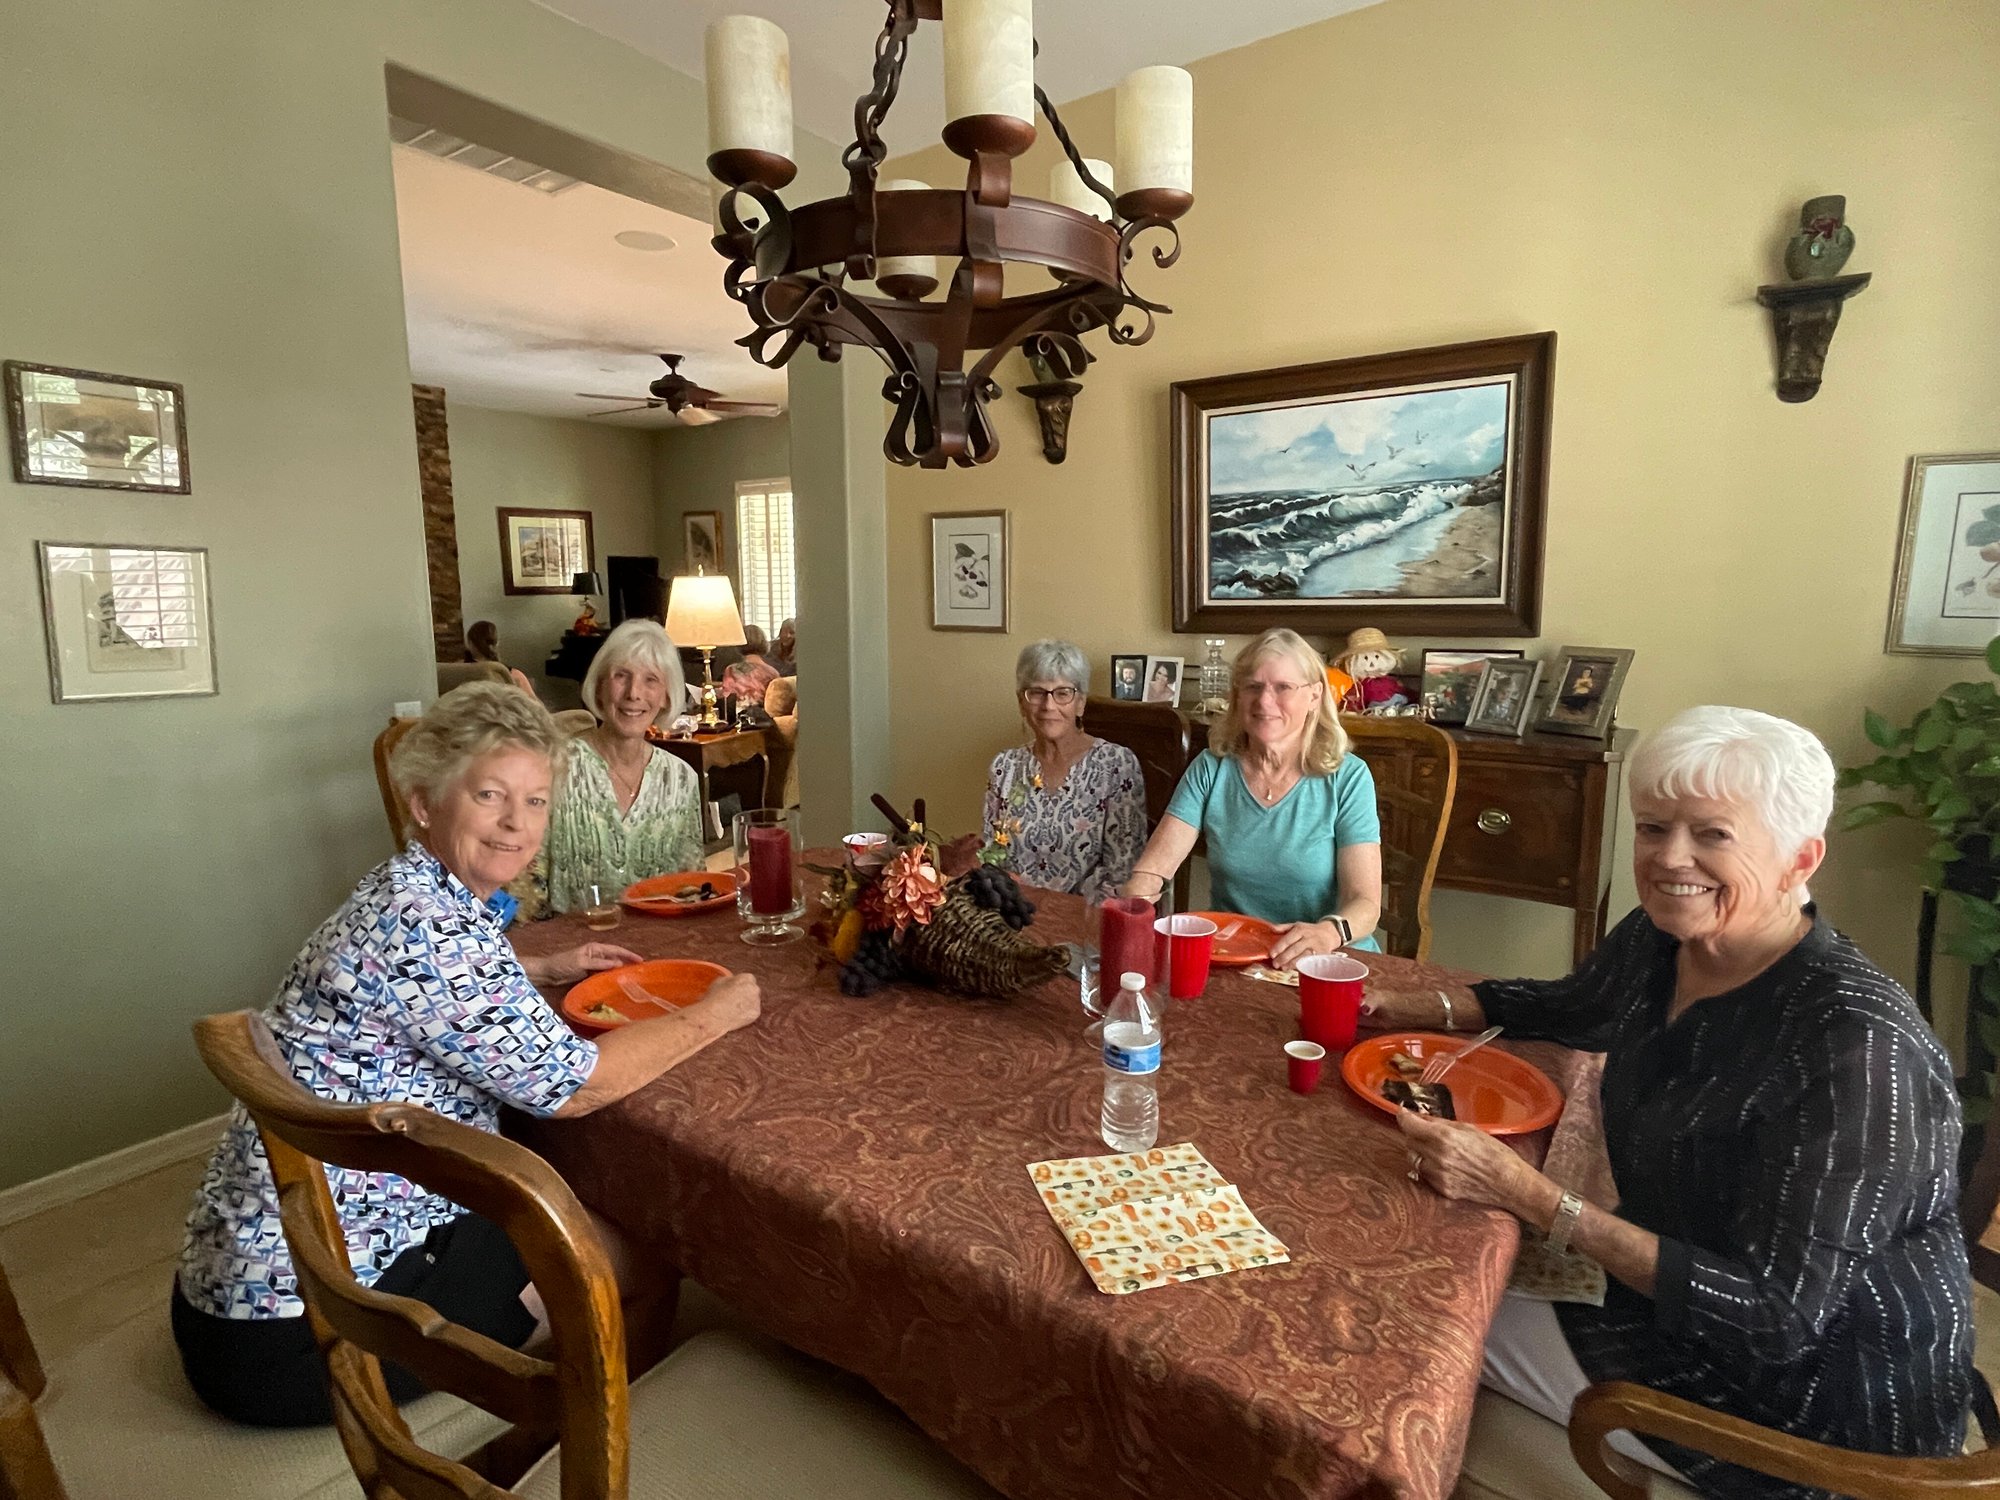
(1770, 765)
(645, 642)
(1062, 660)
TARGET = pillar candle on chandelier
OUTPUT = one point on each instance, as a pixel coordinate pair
(908, 277)
(1067, 187)
(749, 66)
(989, 75)
(1155, 133)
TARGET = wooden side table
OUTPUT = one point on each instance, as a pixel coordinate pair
(1534, 817)
(708, 754)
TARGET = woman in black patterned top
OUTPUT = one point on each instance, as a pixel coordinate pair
(1782, 1127)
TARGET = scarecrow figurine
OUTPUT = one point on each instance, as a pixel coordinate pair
(1371, 662)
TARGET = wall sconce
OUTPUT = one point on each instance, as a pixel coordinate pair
(1806, 309)
(1057, 362)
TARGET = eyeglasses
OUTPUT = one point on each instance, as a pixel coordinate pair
(1282, 691)
(1062, 697)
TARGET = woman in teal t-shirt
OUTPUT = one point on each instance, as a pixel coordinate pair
(1289, 815)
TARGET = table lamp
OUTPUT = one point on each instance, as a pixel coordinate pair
(583, 585)
(701, 612)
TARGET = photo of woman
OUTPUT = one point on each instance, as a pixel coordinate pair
(1163, 679)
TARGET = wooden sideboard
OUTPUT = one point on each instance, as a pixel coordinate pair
(1534, 817)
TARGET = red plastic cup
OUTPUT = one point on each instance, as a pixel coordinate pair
(1190, 946)
(1330, 989)
(1303, 1061)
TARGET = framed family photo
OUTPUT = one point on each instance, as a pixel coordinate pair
(969, 570)
(126, 621)
(96, 431)
(1505, 696)
(1448, 679)
(1946, 598)
(542, 551)
(1405, 491)
(1584, 683)
(1128, 678)
(701, 541)
(1163, 679)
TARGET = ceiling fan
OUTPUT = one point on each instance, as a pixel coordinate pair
(691, 403)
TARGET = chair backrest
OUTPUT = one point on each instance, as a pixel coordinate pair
(393, 806)
(1165, 741)
(456, 674)
(27, 1470)
(579, 1397)
(1416, 775)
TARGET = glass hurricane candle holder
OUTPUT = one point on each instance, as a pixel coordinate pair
(769, 893)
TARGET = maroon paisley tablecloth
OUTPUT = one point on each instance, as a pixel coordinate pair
(851, 1174)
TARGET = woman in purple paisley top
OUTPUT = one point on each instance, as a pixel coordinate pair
(410, 992)
(1072, 808)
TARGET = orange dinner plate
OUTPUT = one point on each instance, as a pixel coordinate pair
(668, 983)
(675, 885)
(1249, 944)
(1492, 1089)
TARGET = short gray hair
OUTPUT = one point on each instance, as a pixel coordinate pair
(1738, 755)
(645, 642)
(1062, 660)
(469, 722)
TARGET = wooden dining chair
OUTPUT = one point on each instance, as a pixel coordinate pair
(27, 1468)
(1415, 766)
(393, 806)
(723, 1416)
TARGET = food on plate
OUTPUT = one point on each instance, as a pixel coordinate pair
(606, 1015)
(1423, 1098)
(1405, 1066)
(706, 891)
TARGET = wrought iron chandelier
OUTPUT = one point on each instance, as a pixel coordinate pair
(862, 268)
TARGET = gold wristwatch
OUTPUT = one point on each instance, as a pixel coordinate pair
(1568, 1211)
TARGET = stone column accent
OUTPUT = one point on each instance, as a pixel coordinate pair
(440, 526)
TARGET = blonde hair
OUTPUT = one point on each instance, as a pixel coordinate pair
(469, 722)
(1324, 743)
(645, 642)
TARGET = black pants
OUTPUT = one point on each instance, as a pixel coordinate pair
(267, 1372)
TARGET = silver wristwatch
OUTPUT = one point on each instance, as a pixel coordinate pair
(1568, 1211)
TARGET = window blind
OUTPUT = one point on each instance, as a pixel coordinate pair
(767, 552)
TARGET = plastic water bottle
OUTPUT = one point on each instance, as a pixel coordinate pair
(1131, 1117)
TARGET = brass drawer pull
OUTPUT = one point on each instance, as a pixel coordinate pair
(1494, 821)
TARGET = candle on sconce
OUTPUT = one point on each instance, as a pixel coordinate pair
(749, 65)
(1067, 187)
(909, 277)
(989, 75)
(1155, 133)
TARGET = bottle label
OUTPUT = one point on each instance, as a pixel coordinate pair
(1130, 1049)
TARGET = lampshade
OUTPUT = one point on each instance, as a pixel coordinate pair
(701, 611)
(587, 583)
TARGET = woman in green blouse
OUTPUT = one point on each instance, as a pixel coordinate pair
(626, 810)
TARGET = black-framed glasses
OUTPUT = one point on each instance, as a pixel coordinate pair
(1062, 697)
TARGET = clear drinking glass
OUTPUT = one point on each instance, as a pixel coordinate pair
(770, 894)
(600, 908)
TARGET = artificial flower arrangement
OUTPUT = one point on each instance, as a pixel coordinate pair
(941, 914)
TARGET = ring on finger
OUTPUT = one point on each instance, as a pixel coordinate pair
(1416, 1167)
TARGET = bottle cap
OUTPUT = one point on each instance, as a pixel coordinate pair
(1130, 980)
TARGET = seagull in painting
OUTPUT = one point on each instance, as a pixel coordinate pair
(1361, 470)
(1393, 451)
(1418, 439)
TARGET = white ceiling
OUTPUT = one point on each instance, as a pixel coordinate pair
(517, 300)
(1087, 45)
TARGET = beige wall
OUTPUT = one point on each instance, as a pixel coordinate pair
(696, 468)
(167, 859)
(503, 459)
(1430, 171)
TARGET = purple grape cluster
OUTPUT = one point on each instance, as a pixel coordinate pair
(874, 964)
(993, 888)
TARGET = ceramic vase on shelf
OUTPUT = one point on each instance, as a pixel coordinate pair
(1823, 241)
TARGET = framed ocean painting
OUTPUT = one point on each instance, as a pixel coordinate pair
(1405, 491)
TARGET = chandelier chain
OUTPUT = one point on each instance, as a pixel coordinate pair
(892, 49)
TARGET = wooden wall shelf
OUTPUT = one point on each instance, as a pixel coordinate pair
(1804, 315)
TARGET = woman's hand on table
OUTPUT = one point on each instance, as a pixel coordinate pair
(1464, 1162)
(735, 999)
(1387, 1009)
(1297, 940)
(572, 964)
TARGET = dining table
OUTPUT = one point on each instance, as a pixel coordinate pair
(851, 1174)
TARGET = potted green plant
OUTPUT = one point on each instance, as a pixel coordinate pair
(1944, 766)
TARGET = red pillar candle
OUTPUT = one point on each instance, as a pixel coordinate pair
(770, 871)
(1126, 940)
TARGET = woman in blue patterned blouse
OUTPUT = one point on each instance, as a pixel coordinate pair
(1071, 807)
(410, 992)
(1782, 1127)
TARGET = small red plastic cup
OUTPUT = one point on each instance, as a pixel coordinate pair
(1190, 946)
(1330, 990)
(1303, 1061)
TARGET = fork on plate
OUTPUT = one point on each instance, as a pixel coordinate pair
(1444, 1062)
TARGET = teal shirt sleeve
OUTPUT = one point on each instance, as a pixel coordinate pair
(1190, 798)
(1355, 819)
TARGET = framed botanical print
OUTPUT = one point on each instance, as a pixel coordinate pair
(1404, 491)
(1946, 599)
(1505, 696)
(96, 431)
(542, 551)
(1584, 683)
(126, 621)
(701, 541)
(969, 570)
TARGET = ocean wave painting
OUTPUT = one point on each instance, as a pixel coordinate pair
(1395, 496)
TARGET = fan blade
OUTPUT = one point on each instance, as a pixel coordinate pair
(747, 408)
(601, 396)
(619, 411)
(697, 416)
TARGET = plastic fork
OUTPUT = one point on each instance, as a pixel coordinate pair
(1444, 1062)
(637, 991)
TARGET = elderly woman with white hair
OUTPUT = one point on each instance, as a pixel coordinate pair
(627, 809)
(1782, 1127)
(1070, 807)
(1293, 835)
(410, 992)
